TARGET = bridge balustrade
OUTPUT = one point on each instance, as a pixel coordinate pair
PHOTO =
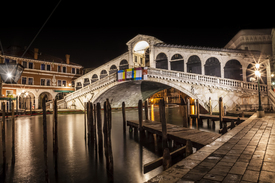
(206, 79)
(173, 75)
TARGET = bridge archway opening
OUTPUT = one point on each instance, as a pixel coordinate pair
(233, 70)
(123, 65)
(177, 63)
(131, 92)
(141, 54)
(24, 100)
(113, 69)
(94, 78)
(194, 64)
(212, 67)
(162, 61)
(48, 98)
(103, 74)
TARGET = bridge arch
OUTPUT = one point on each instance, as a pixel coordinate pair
(94, 78)
(132, 91)
(177, 63)
(194, 64)
(123, 65)
(233, 70)
(212, 67)
(113, 69)
(162, 61)
(103, 74)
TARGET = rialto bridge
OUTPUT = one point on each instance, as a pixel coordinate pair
(198, 72)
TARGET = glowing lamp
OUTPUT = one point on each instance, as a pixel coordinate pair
(257, 66)
(10, 73)
(257, 73)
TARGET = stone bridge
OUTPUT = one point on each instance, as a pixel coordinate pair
(234, 92)
(198, 72)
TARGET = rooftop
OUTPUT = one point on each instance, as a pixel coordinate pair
(17, 51)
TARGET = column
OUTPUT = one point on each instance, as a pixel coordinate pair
(152, 55)
(244, 72)
(268, 74)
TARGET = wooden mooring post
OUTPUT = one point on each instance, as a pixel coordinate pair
(13, 134)
(184, 112)
(123, 117)
(90, 121)
(221, 113)
(4, 137)
(99, 127)
(55, 130)
(146, 109)
(107, 140)
(45, 139)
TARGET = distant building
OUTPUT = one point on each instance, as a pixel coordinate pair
(44, 75)
(262, 40)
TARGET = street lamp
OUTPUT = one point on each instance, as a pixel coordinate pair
(260, 112)
(10, 73)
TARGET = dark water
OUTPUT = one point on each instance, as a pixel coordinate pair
(76, 162)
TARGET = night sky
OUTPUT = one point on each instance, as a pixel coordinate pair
(95, 32)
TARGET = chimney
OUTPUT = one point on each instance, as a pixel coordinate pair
(67, 59)
(35, 53)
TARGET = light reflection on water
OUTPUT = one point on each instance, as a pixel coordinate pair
(76, 161)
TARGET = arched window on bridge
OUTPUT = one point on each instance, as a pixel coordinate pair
(162, 61)
(113, 69)
(78, 85)
(233, 70)
(103, 74)
(94, 78)
(177, 63)
(86, 82)
(194, 65)
(212, 67)
(123, 65)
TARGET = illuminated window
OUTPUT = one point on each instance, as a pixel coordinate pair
(64, 83)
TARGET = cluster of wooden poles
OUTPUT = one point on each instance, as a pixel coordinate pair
(4, 166)
(95, 137)
(165, 160)
(45, 142)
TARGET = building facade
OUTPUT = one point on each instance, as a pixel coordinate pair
(43, 75)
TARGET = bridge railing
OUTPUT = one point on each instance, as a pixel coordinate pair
(92, 86)
(217, 81)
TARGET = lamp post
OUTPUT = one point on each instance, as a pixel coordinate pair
(260, 112)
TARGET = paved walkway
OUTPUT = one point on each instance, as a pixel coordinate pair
(244, 154)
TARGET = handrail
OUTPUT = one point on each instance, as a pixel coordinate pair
(95, 85)
(207, 79)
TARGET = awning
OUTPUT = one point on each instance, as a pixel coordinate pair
(63, 91)
(7, 98)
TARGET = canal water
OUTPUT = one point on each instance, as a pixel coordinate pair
(76, 162)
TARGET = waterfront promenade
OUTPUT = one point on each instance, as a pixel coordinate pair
(244, 154)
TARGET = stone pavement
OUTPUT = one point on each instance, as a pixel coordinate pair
(244, 154)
